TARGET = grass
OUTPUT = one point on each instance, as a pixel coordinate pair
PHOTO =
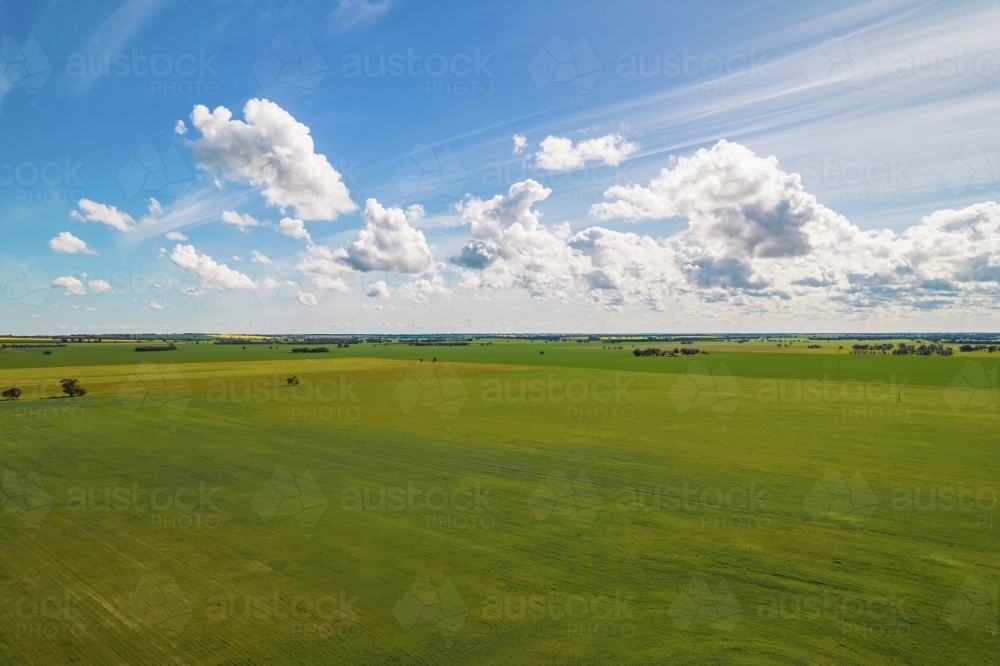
(653, 553)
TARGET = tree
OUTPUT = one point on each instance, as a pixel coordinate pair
(72, 388)
(293, 381)
(12, 393)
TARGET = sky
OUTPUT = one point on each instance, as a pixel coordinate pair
(516, 167)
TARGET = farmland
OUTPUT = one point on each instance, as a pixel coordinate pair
(507, 501)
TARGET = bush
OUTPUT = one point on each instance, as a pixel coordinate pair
(145, 348)
(309, 350)
(72, 388)
(12, 393)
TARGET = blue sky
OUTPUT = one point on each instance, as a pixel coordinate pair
(498, 167)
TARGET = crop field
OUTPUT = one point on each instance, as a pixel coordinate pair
(504, 502)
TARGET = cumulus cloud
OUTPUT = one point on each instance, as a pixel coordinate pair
(91, 211)
(320, 260)
(754, 230)
(211, 274)
(180, 127)
(98, 286)
(559, 153)
(241, 222)
(950, 248)
(520, 143)
(306, 299)
(294, 228)
(67, 243)
(755, 240)
(273, 151)
(71, 285)
(327, 283)
(176, 236)
(421, 290)
(512, 248)
(388, 242)
(379, 290)
(259, 257)
(154, 206)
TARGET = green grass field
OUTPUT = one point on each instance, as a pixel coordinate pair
(498, 506)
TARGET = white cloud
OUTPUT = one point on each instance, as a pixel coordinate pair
(103, 213)
(241, 222)
(98, 286)
(306, 299)
(259, 258)
(559, 153)
(365, 306)
(328, 283)
(274, 151)
(520, 143)
(320, 260)
(379, 289)
(511, 248)
(176, 236)
(180, 127)
(388, 242)
(67, 243)
(155, 305)
(90, 309)
(294, 228)
(212, 275)
(72, 286)
(154, 206)
(421, 291)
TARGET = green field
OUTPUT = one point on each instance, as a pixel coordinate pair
(499, 505)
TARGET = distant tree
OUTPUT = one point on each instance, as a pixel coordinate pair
(293, 381)
(46, 353)
(72, 388)
(12, 393)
